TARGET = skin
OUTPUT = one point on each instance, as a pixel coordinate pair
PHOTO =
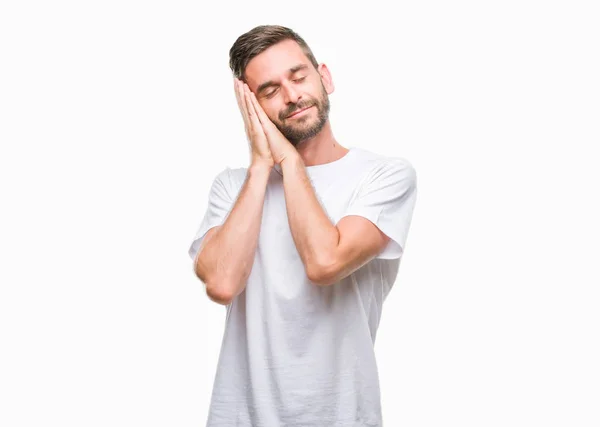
(329, 252)
(309, 134)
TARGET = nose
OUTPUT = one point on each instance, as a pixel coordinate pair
(291, 94)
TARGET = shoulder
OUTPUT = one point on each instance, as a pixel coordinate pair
(232, 178)
(377, 166)
(237, 175)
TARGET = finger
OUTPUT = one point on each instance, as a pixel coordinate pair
(239, 95)
(262, 116)
(252, 113)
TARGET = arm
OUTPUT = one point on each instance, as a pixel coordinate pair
(328, 252)
(224, 262)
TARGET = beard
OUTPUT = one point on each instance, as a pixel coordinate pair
(301, 129)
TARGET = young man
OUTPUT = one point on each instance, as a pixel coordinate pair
(302, 247)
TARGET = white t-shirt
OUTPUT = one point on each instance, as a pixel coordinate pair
(295, 353)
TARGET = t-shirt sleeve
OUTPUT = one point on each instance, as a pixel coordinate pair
(387, 198)
(221, 199)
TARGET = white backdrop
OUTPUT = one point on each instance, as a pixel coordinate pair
(115, 116)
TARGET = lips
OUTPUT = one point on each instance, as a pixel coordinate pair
(299, 111)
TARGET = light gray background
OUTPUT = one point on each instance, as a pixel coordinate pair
(115, 116)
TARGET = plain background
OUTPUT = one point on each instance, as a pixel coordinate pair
(115, 116)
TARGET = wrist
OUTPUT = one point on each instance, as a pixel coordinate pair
(260, 167)
(292, 158)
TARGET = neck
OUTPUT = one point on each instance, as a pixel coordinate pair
(322, 148)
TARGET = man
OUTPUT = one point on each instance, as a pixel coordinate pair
(302, 247)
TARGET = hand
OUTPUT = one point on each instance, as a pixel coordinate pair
(279, 145)
(259, 146)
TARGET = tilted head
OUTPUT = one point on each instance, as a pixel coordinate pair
(282, 71)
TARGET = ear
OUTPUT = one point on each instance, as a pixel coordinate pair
(326, 78)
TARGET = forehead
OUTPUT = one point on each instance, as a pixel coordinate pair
(274, 63)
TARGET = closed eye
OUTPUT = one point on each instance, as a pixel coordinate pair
(274, 91)
(270, 94)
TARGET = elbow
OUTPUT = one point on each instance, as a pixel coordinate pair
(320, 275)
(220, 292)
(215, 290)
(219, 296)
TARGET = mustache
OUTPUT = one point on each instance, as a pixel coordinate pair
(289, 111)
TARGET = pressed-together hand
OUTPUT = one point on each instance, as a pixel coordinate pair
(259, 147)
(262, 127)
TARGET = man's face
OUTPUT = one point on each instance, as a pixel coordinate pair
(285, 82)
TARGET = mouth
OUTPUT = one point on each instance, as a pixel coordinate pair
(299, 112)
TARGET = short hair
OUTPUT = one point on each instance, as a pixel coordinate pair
(259, 39)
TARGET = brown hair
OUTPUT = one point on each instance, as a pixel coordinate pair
(259, 39)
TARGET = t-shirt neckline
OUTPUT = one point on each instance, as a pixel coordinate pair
(326, 166)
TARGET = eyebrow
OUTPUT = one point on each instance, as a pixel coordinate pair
(270, 83)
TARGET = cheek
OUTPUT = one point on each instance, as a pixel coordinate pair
(272, 114)
(266, 107)
(272, 110)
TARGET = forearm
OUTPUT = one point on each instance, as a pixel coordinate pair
(228, 257)
(314, 235)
